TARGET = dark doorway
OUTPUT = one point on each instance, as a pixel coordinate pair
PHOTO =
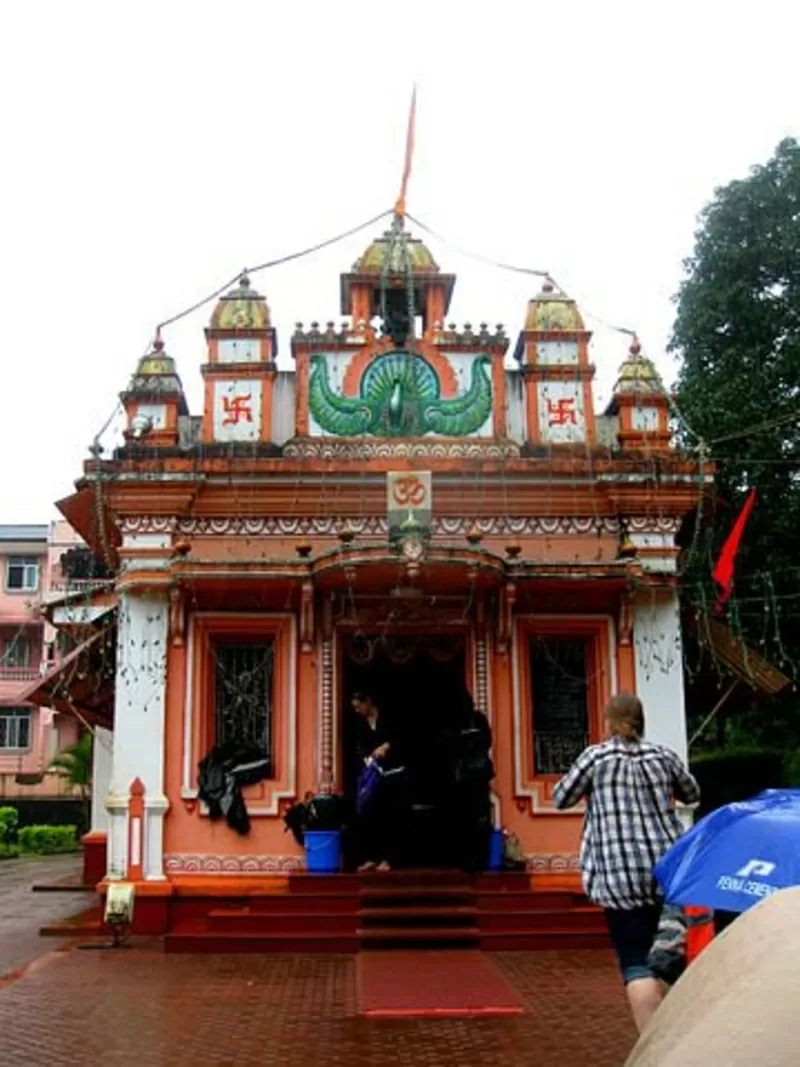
(418, 683)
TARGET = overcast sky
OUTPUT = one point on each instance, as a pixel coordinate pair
(153, 149)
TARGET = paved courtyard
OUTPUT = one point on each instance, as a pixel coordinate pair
(79, 1008)
(23, 912)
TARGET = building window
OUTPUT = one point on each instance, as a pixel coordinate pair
(15, 728)
(16, 652)
(243, 674)
(559, 701)
(22, 574)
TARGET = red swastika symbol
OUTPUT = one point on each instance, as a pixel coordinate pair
(408, 492)
(560, 412)
(236, 409)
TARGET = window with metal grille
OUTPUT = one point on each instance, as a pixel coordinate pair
(22, 574)
(243, 673)
(15, 728)
(559, 699)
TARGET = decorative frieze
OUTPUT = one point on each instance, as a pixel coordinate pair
(215, 864)
(383, 449)
(374, 525)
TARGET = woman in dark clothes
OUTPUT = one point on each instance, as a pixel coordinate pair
(373, 824)
(470, 800)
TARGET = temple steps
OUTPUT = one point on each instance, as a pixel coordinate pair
(394, 909)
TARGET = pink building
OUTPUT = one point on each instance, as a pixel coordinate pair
(30, 736)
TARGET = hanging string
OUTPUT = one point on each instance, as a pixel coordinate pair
(274, 263)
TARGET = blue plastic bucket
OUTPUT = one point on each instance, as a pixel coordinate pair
(323, 851)
(497, 843)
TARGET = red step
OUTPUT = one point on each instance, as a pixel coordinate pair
(404, 937)
(537, 920)
(195, 937)
(408, 894)
(517, 900)
(244, 920)
(538, 940)
(324, 883)
(304, 903)
(406, 916)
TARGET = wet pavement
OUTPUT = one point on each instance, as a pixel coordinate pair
(79, 1008)
(138, 1006)
(23, 912)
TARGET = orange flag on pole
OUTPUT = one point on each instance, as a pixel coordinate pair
(400, 205)
(723, 572)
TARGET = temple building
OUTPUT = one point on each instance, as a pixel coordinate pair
(410, 508)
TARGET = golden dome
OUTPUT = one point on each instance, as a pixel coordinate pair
(373, 261)
(156, 375)
(638, 373)
(241, 309)
(553, 311)
(156, 362)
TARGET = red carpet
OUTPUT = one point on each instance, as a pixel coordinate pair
(436, 983)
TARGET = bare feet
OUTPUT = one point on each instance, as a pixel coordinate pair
(384, 866)
(368, 866)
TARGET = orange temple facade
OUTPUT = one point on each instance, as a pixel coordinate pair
(410, 501)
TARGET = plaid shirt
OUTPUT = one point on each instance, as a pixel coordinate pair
(630, 817)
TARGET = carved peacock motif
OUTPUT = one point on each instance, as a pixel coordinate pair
(400, 396)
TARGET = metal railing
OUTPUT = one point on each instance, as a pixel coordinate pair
(18, 674)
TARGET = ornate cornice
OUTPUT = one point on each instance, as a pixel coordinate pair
(328, 449)
(377, 526)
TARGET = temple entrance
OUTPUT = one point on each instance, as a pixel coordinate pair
(417, 681)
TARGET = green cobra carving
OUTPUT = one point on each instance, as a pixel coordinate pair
(400, 396)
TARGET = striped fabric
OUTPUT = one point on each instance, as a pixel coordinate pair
(630, 788)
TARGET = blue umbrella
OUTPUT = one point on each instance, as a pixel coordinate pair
(737, 855)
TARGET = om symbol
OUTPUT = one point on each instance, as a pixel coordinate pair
(408, 492)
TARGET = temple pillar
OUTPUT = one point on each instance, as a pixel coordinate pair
(94, 842)
(102, 762)
(659, 668)
(327, 775)
(139, 720)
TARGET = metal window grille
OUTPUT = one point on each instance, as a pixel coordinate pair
(243, 694)
(559, 699)
(15, 728)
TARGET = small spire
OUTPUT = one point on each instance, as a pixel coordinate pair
(547, 285)
(158, 344)
(244, 280)
(636, 348)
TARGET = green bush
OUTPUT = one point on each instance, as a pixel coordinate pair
(791, 768)
(45, 840)
(731, 774)
(9, 818)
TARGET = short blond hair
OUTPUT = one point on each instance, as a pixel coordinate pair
(625, 716)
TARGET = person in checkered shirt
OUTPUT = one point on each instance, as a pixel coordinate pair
(630, 787)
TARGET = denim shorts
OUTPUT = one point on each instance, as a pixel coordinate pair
(633, 932)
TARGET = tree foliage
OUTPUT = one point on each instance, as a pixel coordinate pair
(737, 332)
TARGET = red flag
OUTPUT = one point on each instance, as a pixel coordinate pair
(723, 572)
(400, 206)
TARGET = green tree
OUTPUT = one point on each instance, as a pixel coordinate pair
(74, 763)
(737, 331)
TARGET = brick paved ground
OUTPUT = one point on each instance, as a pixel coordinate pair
(22, 912)
(83, 1008)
